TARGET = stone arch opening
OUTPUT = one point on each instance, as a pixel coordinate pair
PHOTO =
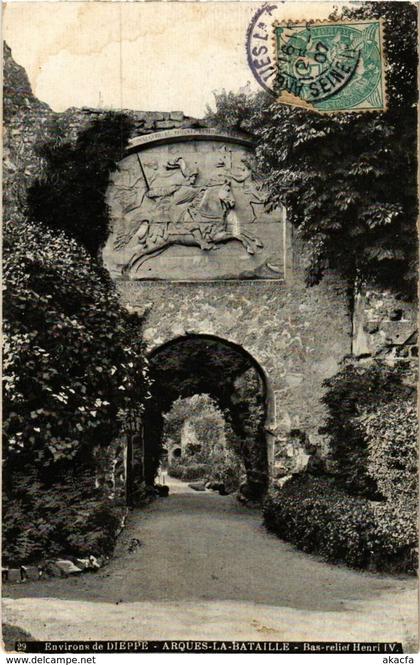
(197, 364)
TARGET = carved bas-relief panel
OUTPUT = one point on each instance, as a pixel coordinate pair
(190, 206)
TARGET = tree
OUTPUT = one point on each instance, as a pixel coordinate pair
(75, 377)
(243, 112)
(206, 420)
(74, 361)
(75, 374)
(348, 180)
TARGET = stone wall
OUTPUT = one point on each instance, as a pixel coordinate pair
(385, 326)
(27, 122)
(297, 335)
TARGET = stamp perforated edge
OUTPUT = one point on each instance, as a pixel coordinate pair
(292, 100)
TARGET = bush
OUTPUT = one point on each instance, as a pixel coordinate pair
(95, 529)
(318, 517)
(391, 432)
(228, 472)
(365, 515)
(210, 454)
(75, 374)
(74, 377)
(227, 469)
(365, 402)
(74, 365)
(189, 471)
(207, 427)
(71, 517)
(139, 490)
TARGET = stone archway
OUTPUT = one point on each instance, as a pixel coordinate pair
(194, 249)
(196, 364)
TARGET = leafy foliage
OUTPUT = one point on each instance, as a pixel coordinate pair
(248, 423)
(348, 180)
(70, 193)
(207, 422)
(211, 456)
(228, 470)
(370, 418)
(365, 513)
(391, 432)
(224, 469)
(75, 375)
(239, 111)
(318, 517)
(74, 367)
(189, 471)
(72, 518)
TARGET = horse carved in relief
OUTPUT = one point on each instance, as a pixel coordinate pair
(207, 221)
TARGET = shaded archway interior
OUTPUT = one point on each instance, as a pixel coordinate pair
(204, 364)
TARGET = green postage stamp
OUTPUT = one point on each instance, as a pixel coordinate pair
(331, 66)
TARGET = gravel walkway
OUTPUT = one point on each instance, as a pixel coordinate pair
(207, 569)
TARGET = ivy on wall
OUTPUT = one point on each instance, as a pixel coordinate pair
(70, 193)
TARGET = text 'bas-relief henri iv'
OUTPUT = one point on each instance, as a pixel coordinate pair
(192, 210)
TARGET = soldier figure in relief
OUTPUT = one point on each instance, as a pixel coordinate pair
(174, 210)
(242, 174)
(177, 196)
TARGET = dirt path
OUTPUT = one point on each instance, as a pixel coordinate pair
(207, 569)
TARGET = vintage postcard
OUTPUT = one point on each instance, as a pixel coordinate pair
(209, 329)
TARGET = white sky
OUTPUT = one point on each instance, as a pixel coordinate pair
(149, 56)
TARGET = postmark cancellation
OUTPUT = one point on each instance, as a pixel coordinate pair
(331, 66)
